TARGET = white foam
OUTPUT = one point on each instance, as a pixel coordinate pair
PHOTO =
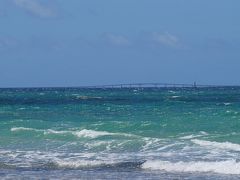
(61, 159)
(22, 129)
(219, 145)
(84, 133)
(97, 144)
(22, 108)
(80, 163)
(222, 167)
(166, 146)
(88, 97)
(174, 97)
(190, 136)
(227, 104)
(50, 131)
(194, 136)
(91, 133)
(203, 133)
(151, 143)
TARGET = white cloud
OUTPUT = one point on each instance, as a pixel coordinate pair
(117, 39)
(36, 8)
(166, 39)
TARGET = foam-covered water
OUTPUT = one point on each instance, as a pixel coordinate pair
(221, 167)
(120, 133)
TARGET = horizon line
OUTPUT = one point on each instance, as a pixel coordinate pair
(126, 85)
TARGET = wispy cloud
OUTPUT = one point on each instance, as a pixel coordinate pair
(165, 39)
(115, 39)
(36, 8)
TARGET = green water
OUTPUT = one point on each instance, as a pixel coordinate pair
(162, 130)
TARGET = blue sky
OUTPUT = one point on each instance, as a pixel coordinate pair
(88, 42)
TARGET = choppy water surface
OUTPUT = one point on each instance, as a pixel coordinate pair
(120, 133)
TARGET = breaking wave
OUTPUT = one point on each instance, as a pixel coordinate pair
(84, 133)
(97, 164)
(221, 167)
(219, 145)
(23, 129)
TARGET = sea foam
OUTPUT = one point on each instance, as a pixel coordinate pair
(23, 129)
(92, 133)
(221, 167)
(218, 145)
(80, 163)
(84, 133)
(202, 133)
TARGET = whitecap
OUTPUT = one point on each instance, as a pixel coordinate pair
(50, 131)
(174, 97)
(88, 97)
(218, 145)
(84, 133)
(91, 133)
(151, 143)
(21, 108)
(97, 144)
(191, 136)
(80, 163)
(221, 167)
(23, 129)
(203, 133)
(227, 104)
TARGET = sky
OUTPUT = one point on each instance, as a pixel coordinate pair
(92, 42)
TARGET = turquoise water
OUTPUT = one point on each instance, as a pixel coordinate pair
(161, 133)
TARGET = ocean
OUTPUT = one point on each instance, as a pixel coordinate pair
(128, 133)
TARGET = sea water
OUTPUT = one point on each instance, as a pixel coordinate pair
(135, 133)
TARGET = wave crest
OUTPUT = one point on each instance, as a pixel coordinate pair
(221, 167)
(219, 145)
(84, 133)
(23, 129)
